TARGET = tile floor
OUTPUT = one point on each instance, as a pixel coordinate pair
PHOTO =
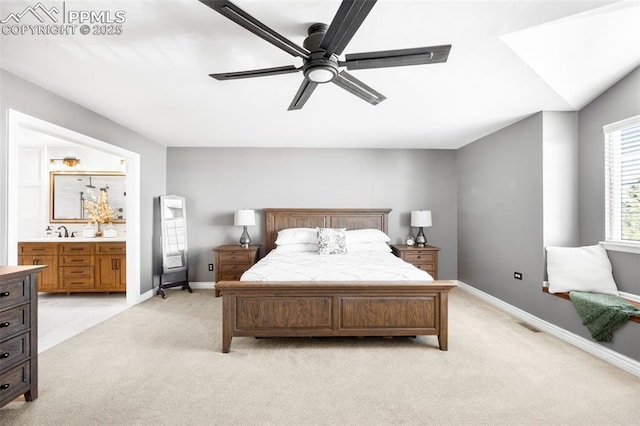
(61, 316)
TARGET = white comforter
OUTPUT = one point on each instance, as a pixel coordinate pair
(310, 266)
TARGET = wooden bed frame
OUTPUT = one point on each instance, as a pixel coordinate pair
(348, 309)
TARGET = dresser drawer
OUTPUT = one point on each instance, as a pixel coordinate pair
(14, 350)
(14, 291)
(14, 382)
(76, 283)
(77, 248)
(37, 248)
(77, 271)
(420, 256)
(111, 248)
(71, 260)
(14, 320)
(243, 257)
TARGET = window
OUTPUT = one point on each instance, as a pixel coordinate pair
(622, 180)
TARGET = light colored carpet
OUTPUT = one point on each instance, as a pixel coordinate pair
(160, 363)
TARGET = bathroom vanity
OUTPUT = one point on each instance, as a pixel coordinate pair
(77, 264)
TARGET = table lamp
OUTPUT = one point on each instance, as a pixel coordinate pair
(244, 218)
(420, 219)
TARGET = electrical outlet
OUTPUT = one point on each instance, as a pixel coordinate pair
(211, 266)
(517, 275)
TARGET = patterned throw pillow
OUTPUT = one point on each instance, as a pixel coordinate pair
(332, 241)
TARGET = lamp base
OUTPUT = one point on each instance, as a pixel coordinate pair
(421, 240)
(245, 239)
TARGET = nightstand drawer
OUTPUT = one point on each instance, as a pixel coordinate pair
(233, 269)
(420, 256)
(428, 267)
(231, 276)
(14, 320)
(14, 350)
(243, 257)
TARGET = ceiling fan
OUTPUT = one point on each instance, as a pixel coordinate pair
(321, 49)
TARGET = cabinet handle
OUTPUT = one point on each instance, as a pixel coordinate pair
(5, 386)
(5, 294)
(118, 264)
(4, 324)
(4, 355)
(113, 264)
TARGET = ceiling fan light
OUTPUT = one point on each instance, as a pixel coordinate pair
(321, 74)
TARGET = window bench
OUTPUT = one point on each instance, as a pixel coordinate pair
(545, 289)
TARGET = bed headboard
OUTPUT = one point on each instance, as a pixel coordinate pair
(277, 219)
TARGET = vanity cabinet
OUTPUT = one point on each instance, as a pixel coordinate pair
(111, 266)
(36, 254)
(77, 266)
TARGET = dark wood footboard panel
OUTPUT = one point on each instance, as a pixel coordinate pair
(286, 309)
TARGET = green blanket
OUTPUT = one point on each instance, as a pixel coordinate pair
(602, 313)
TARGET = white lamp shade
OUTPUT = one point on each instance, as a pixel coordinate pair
(244, 218)
(420, 218)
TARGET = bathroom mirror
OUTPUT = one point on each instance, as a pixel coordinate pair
(69, 190)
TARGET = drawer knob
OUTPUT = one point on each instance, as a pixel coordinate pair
(4, 355)
(5, 294)
(4, 324)
(5, 386)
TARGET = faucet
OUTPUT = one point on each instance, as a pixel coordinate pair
(66, 233)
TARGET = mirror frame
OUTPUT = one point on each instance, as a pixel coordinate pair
(52, 191)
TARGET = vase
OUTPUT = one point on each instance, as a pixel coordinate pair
(98, 229)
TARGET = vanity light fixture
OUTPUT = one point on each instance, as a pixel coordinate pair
(420, 219)
(67, 161)
(244, 218)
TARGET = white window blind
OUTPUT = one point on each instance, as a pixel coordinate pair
(622, 180)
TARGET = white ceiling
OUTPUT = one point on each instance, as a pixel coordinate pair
(509, 59)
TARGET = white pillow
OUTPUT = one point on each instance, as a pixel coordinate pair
(297, 236)
(366, 236)
(331, 241)
(580, 269)
(296, 248)
(368, 247)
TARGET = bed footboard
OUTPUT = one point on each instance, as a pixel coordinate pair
(288, 309)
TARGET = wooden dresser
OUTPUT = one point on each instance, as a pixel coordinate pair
(231, 261)
(425, 258)
(77, 266)
(19, 332)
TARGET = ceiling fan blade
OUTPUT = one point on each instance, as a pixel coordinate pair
(348, 19)
(242, 18)
(306, 89)
(264, 72)
(397, 58)
(358, 88)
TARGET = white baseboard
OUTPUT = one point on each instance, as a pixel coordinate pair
(206, 285)
(612, 357)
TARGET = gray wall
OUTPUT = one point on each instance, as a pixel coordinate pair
(25, 97)
(500, 216)
(619, 102)
(502, 207)
(218, 181)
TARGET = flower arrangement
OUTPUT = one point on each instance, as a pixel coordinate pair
(98, 207)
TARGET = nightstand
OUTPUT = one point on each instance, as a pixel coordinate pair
(231, 261)
(425, 258)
